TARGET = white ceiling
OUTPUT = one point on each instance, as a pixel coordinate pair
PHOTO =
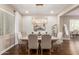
(74, 12)
(40, 11)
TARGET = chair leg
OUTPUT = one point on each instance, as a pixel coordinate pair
(19, 45)
(28, 51)
(61, 47)
(50, 51)
(37, 51)
(41, 51)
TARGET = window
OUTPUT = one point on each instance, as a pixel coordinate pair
(74, 24)
(7, 23)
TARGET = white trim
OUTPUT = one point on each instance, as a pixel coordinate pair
(7, 49)
(3, 25)
(6, 11)
(16, 43)
(68, 9)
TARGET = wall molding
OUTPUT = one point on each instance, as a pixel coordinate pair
(6, 11)
(66, 10)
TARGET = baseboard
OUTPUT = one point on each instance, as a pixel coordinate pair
(66, 38)
(16, 43)
(7, 49)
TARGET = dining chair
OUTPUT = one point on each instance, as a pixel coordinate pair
(19, 37)
(58, 44)
(32, 42)
(46, 43)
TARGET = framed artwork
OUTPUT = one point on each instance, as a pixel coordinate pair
(39, 23)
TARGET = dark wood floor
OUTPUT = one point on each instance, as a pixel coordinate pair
(70, 47)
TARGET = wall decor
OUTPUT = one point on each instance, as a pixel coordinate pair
(39, 23)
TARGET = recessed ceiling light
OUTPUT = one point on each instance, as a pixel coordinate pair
(27, 12)
(51, 12)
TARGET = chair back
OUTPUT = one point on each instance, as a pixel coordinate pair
(19, 35)
(46, 42)
(19, 38)
(60, 39)
(59, 35)
(32, 42)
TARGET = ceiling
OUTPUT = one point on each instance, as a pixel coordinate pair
(74, 12)
(57, 8)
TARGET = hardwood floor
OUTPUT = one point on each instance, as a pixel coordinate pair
(70, 47)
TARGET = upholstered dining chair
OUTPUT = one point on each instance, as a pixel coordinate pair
(32, 42)
(19, 37)
(46, 43)
(58, 44)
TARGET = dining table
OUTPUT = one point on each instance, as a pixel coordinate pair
(40, 38)
(53, 39)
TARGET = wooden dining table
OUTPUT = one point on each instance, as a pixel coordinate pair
(40, 38)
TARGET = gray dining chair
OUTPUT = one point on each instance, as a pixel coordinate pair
(32, 42)
(46, 43)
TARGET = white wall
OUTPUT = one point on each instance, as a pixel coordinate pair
(18, 18)
(27, 24)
